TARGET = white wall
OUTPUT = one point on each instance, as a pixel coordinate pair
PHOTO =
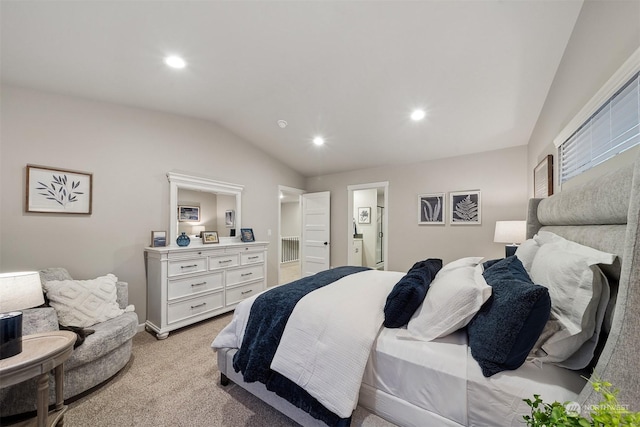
(129, 151)
(605, 35)
(291, 224)
(501, 176)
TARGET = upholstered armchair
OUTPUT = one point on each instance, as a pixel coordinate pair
(100, 356)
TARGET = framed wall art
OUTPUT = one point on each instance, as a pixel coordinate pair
(54, 190)
(230, 218)
(364, 215)
(543, 178)
(431, 209)
(188, 213)
(210, 237)
(465, 208)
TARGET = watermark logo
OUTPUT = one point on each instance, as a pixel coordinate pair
(573, 409)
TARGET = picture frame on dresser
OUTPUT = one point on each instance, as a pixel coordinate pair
(246, 235)
(158, 239)
(209, 237)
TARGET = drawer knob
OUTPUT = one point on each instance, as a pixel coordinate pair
(246, 274)
(246, 292)
(224, 261)
(189, 266)
(198, 284)
(198, 305)
(254, 257)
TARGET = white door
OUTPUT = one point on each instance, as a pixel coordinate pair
(316, 231)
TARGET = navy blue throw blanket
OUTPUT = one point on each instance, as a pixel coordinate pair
(265, 326)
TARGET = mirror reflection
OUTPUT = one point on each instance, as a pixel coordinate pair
(202, 211)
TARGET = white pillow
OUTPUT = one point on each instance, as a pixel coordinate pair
(567, 269)
(462, 262)
(454, 297)
(84, 303)
(526, 252)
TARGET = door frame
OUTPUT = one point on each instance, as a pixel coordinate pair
(385, 220)
(299, 192)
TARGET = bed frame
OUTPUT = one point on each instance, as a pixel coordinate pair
(603, 213)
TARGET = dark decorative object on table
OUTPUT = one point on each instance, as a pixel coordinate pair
(183, 240)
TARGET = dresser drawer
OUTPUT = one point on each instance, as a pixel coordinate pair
(246, 274)
(194, 285)
(251, 257)
(237, 294)
(223, 261)
(184, 309)
(187, 266)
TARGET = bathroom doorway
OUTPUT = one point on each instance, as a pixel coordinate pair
(368, 219)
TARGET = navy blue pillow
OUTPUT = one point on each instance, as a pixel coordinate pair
(506, 328)
(407, 295)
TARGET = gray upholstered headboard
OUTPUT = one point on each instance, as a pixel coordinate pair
(604, 214)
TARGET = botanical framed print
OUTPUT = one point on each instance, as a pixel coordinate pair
(188, 213)
(54, 190)
(364, 215)
(465, 208)
(230, 218)
(246, 235)
(210, 237)
(158, 239)
(431, 208)
(543, 178)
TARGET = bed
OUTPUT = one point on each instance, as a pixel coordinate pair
(441, 381)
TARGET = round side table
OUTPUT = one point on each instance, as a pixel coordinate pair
(40, 354)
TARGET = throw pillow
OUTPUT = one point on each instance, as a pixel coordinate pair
(407, 295)
(455, 296)
(506, 328)
(84, 303)
(575, 285)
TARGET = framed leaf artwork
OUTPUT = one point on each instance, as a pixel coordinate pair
(431, 209)
(466, 208)
(54, 190)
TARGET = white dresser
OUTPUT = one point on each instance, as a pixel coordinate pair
(190, 284)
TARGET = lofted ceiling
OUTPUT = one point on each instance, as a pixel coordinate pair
(350, 71)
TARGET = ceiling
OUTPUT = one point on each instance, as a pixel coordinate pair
(350, 71)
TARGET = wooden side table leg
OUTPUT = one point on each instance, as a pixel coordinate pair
(59, 372)
(43, 399)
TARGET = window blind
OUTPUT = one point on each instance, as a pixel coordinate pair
(612, 129)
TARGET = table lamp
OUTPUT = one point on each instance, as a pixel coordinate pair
(513, 232)
(197, 230)
(18, 291)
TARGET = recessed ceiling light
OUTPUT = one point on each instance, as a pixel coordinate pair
(282, 123)
(175, 62)
(318, 140)
(417, 115)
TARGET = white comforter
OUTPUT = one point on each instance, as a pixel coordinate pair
(328, 338)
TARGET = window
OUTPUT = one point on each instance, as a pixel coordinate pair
(615, 127)
(608, 125)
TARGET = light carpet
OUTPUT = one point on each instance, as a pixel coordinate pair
(175, 382)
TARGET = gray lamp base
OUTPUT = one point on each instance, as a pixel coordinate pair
(510, 250)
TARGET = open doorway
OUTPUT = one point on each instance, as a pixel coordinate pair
(290, 232)
(368, 219)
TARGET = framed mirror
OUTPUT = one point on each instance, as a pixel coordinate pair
(198, 204)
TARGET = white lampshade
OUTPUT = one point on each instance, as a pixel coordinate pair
(20, 290)
(197, 229)
(510, 232)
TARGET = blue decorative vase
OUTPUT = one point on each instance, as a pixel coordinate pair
(183, 240)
